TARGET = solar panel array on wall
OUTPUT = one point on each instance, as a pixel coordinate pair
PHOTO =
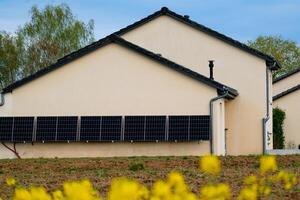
(104, 128)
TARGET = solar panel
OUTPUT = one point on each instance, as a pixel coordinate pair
(90, 128)
(111, 128)
(199, 127)
(46, 128)
(155, 128)
(23, 129)
(134, 128)
(6, 128)
(67, 128)
(178, 128)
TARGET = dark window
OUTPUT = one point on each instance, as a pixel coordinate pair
(199, 127)
(6, 128)
(111, 128)
(23, 129)
(178, 128)
(66, 128)
(155, 128)
(46, 128)
(90, 128)
(134, 128)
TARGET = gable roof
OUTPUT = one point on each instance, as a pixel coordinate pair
(282, 94)
(270, 61)
(221, 88)
(286, 75)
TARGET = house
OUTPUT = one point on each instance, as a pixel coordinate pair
(164, 85)
(286, 91)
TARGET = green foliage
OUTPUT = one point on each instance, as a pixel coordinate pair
(52, 33)
(10, 49)
(286, 52)
(278, 132)
(136, 166)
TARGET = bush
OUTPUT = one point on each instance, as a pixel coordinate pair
(278, 133)
(136, 167)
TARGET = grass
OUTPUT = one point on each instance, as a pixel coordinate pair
(51, 173)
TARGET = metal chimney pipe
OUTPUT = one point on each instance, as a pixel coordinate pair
(211, 70)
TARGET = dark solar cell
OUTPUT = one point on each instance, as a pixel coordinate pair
(6, 128)
(199, 127)
(134, 128)
(67, 128)
(155, 128)
(90, 128)
(46, 128)
(178, 128)
(111, 128)
(23, 129)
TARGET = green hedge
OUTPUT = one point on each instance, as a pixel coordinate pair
(278, 133)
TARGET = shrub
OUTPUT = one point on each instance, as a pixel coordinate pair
(136, 166)
(278, 132)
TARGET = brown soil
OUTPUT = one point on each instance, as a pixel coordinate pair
(51, 173)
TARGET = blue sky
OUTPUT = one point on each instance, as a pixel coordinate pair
(241, 19)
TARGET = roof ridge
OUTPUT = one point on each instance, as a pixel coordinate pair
(270, 61)
(286, 75)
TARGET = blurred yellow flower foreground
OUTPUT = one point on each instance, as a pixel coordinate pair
(173, 188)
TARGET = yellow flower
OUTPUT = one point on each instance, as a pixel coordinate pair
(267, 163)
(247, 194)
(289, 179)
(82, 190)
(57, 195)
(10, 181)
(264, 190)
(210, 164)
(34, 193)
(126, 189)
(250, 180)
(212, 192)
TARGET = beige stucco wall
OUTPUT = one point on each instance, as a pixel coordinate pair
(286, 83)
(291, 105)
(238, 69)
(65, 150)
(110, 81)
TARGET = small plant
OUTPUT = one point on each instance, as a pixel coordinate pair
(278, 132)
(136, 166)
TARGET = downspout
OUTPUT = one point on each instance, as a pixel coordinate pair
(2, 99)
(211, 119)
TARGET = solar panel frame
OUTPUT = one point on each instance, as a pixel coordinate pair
(23, 129)
(6, 129)
(134, 128)
(67, 128)
(90, 128)
(199, 127)
(178, 128)
(46, 129)
(155, 128)
(111, 128)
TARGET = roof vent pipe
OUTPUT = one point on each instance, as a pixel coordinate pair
(211, 69)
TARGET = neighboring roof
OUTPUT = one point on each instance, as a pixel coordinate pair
(282, 94)
(116, 39)
(286, 75)
(270, 61)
